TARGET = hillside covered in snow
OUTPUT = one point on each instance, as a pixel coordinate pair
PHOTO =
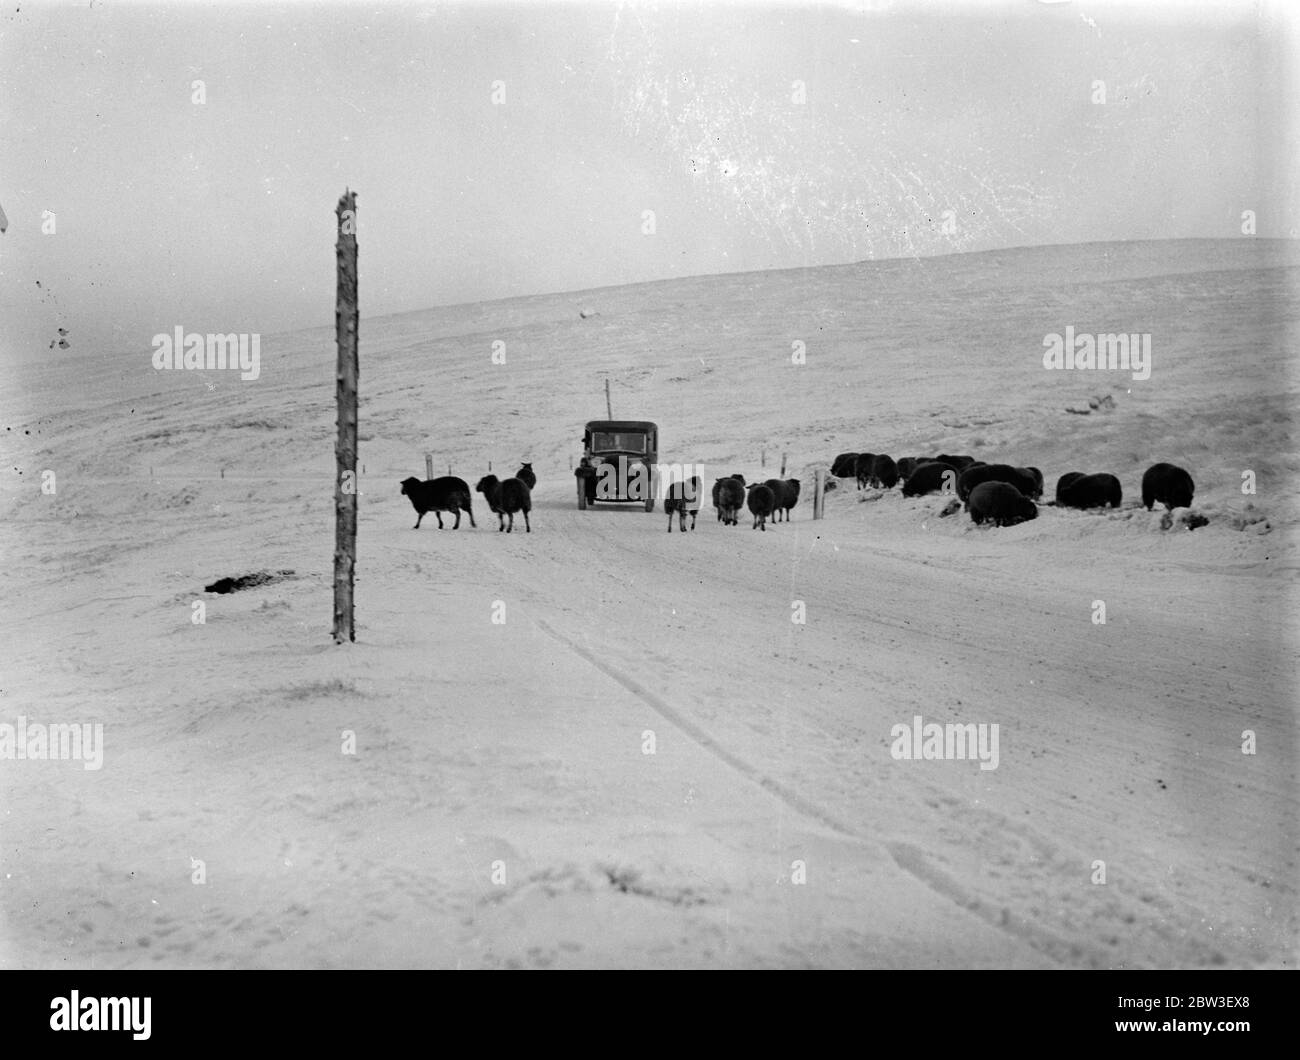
(598, 744)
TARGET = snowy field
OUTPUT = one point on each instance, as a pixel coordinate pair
(500, 809)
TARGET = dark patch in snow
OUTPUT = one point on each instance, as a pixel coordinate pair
(247, 581)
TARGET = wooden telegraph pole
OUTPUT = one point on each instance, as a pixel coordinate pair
(345, 448)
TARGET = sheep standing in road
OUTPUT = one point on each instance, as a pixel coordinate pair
(777, 486)
(506, 498)
(438, 495)
(683, 497)
(762, 502)
(526, 476)
(729, 498)
(790, 497)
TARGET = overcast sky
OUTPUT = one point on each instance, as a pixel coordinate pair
(925, 128)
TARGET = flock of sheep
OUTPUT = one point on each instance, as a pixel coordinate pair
(765, 500)
(1000, 494)
(451, 494)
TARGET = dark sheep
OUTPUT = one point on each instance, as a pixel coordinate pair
(683, 498)
(777, 486)
(786, 495)
(729, 498)
(1063, 483)
(1168, 484)
(438, 495)
(790, 497)
(526, 476)
(1001, 504)
(1089, 491)
(906, 465)
(845, 465)
(506, 498)
(930, 477)
(884, 472)
(1020, 477)
(862, 468)
(961, 463)
(761, 503)
(1038, 482)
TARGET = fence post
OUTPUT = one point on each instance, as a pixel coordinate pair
(345, 448)
(428, 465)
(819, 492)
(783, 465)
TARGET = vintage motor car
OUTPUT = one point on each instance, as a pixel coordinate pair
(619, 463)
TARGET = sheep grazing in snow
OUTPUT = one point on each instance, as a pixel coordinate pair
(884, 472)
(845, 465)
(1064, 482)
(1029, 481)
(506, 498)
(1000, 503)
(683, 497)
(729, 498)
(931, 476)
(437, 495)
(762, 502)
(1037, 495)
(862, 468)
(526, 476)
(1169, 485)
(1088, 491)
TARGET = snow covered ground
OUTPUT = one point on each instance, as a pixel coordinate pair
(501, 809)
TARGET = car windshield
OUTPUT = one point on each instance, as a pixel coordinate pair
(624, 441)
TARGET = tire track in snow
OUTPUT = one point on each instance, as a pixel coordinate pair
(790, 798)
(905, 856)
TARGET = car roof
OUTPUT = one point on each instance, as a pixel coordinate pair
(621, 425)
